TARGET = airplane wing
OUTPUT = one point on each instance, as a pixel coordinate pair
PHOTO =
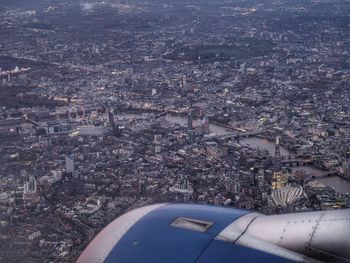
(202, 233)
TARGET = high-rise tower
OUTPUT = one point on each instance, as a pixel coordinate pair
(277, 157)
(184, 82)
(278, 179)
(205, 125)
(9, 77)
(30, 186)
(115, 127)
(70, 165)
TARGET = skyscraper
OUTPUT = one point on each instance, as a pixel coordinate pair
(278, 179)
(277, 157)
(115, 127)
(205, 125)
(30, 187)
(184, 82)
(9, 77)
(70, 164)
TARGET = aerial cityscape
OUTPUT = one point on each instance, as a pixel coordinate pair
(107, 106)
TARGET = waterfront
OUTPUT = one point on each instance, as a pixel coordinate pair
(336, 182)
(216, 129)
(232, 70)
(339, 184)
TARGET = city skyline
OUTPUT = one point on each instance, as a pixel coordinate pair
(108, 106)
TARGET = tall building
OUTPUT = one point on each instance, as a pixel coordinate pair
(218, 200)
(30, 187)
(279, 179)
(184, 183)
(243, 68)
(9, 77)
(237, 64)
(190, 131)
(191, 136)
(162, 118)
(277, 157)
(157, 149)
(205, 125)
(184, 82)
(30, 190)
(115, 127)
(70, 164)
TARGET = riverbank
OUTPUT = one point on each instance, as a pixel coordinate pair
(340, 184)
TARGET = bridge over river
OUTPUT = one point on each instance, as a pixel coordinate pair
(250, 139)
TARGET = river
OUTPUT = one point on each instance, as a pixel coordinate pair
(174, 119)
(338, 183)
